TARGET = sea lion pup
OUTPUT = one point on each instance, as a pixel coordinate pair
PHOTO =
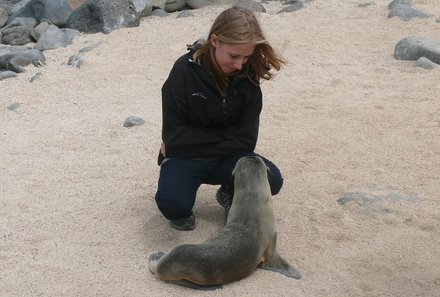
(246, 242)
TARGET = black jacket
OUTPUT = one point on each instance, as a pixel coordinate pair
(198, 122)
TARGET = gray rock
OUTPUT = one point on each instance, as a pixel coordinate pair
(184, 14)
(103, 16)
(13, 106)
(7, 74)
(18, 5)
(133, 121)
(292, 7)
(39, 30)
(142, 7)
(399, 2)
(366, 4)
(159, 13)
(76, 60)
(91, 47)
(373, 200)
(159, 4)
(251, 5)
(195, 4)
(22, 21)
(174, 5)
(15, 58)
(425, 63)
(413, 48)
(54, 37)
(37, 76)
(57, 11)
(17, 35)
(3, 17)
(406, 13)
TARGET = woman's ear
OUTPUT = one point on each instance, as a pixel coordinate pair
(214, 40)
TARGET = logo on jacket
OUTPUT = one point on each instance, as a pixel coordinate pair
(200, 94)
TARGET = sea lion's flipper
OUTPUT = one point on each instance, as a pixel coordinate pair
(194, 286)
(280, 265)
(153, 259)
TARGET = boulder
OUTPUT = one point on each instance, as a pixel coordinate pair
(17, 35)
(15, 58)
(142, 7)
(413, 48)
(159, 4)
(196, 4)
(4, 74)
(3, 17)
(251, 5)
(404, 11)
(54, 37)
(103, 16)
(174, 5)
(57, 11)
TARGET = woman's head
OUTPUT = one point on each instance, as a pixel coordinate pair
(236, 40)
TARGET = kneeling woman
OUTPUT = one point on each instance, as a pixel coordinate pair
(211, 103)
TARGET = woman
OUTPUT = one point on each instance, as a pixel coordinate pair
(211, 103)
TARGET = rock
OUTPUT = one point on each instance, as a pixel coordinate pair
(376, 201)
(18, 31)
(159, 4)
(159, 13)
(17, 35)
(184, 14)
(3, 17)
(142, 7)
(174, 5)
(22, 21)
(15, 58)
(366, 4)
(425, 63)
(91, 47)
(7, 74)
(251, 5)
(39, 30)
(74, 4)
(19, 5)
(406, 12)
(54, 37)
(37, 76)
(133, 121)
(57, 11)
(103, 16)
(399, 2)
(13, 106)
(196, 4)
(292, 7)
(76, 60)
(413, 48)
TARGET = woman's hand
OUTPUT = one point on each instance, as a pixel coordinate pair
(162, 149)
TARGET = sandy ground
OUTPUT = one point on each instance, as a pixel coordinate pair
(77, 215)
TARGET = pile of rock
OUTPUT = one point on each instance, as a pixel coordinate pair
(51, 24)
(424, 51)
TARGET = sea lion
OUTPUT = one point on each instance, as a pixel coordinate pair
(246, 242)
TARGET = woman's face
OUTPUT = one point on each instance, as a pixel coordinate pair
(231, 57)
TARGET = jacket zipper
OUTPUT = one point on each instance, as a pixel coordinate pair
(224, 110)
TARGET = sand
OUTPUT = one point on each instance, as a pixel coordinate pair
(78, 216)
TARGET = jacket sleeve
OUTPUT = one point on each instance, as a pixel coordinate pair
(184, 140)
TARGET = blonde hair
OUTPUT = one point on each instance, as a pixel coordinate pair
(237, 25)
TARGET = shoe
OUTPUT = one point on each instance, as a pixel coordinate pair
(225, 200)
(185, 224)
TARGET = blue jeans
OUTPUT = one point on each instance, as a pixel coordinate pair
(180, 179)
